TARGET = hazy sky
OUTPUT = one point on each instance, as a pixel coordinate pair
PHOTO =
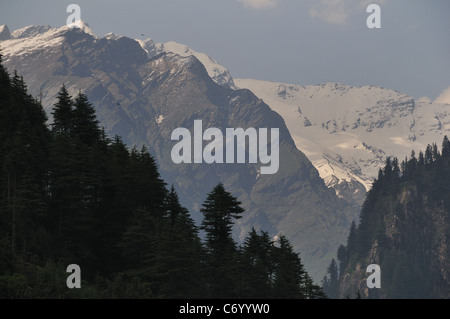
(293, 41)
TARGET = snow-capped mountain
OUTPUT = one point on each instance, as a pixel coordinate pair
(217, 72)
(143, 91)
(348, 132)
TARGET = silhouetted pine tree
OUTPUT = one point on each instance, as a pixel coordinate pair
(257, 266)
(446, 147)
(220, 209)
(146, 195)
(331, 281)
(289, 274)
(85, 124)
(24, 144)
(178, 265)
(63, 112)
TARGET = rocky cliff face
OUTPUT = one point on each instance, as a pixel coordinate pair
(405, 229)
(143, 97)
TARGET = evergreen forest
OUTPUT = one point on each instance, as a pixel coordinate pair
(69, 194)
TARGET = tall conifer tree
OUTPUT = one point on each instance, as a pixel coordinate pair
(220, 209)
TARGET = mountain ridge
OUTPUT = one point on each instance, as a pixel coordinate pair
(143, 99)
(348, 132)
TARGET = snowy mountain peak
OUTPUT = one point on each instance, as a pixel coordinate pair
(148, 45)
(32, 38)
(217, 72)
(80, 24)
(30, 31)
(111, 36)
(26, 38)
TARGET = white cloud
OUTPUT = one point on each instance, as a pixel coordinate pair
(259, 4)
(331, 11)
(444, 97)
(338, 11)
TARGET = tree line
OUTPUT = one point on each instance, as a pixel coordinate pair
(399, 217)
(69, 194)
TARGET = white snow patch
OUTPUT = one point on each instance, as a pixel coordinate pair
(159, 119)
(27, 45)
(217, 72)
(32, 39)
(80, 24)
(112, 36)
(30, 31)
(353, 129)
(148, 45)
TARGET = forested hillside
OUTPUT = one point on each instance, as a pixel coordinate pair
(69, 194)
(404, 228)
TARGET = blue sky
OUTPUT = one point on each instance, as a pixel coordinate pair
(293, 41)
